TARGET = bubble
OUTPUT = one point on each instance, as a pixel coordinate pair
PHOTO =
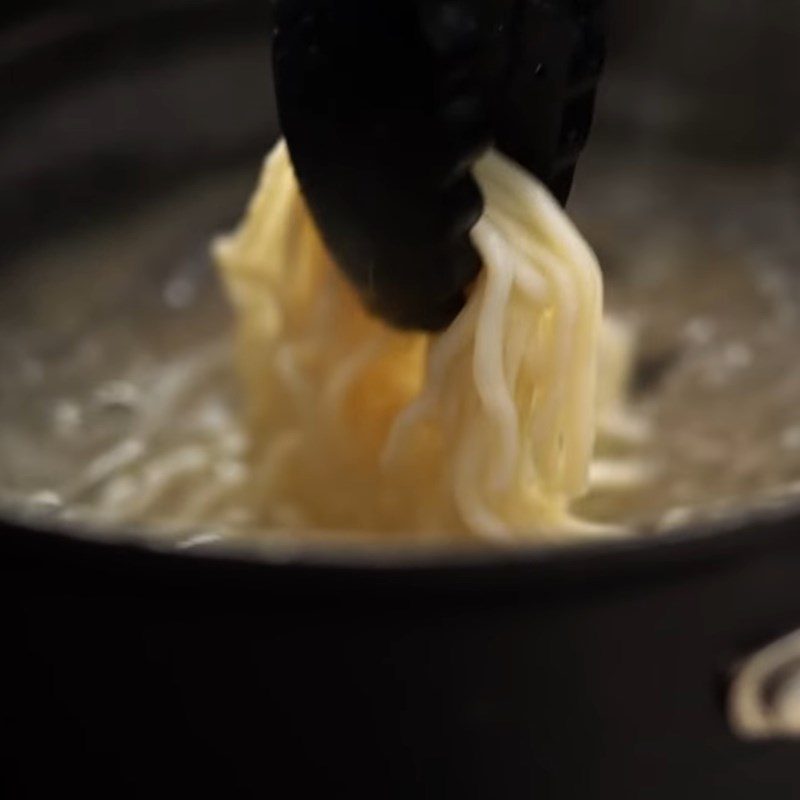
(790, 438)
(118, 395)
(180, 293)
(699, 331)
(737, 356)
(45, 501)
(199, 540)
(67, 419)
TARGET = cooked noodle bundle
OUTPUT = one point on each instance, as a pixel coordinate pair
(487, 428)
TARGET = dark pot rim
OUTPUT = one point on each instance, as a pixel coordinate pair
(585, 567)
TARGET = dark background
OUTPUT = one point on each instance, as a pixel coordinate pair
(716, 75)
(103, 101)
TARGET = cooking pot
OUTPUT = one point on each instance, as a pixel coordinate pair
(655, 667)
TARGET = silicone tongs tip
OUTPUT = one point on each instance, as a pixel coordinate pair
(387, 105)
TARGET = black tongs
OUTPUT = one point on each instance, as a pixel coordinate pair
(387, 104)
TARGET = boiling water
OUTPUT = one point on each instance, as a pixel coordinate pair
(119, 400)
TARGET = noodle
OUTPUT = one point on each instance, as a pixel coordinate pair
(485, 429)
